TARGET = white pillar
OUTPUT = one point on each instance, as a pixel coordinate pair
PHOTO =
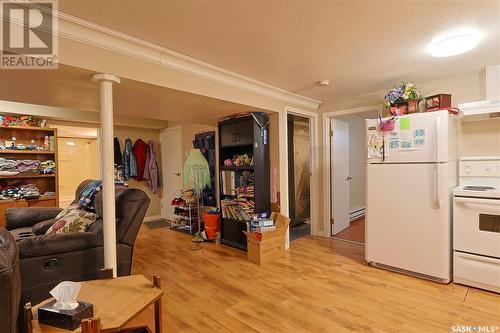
(107, 168)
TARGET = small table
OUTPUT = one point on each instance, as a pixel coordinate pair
(116, 302)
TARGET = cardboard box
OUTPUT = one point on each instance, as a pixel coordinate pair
(268, 246)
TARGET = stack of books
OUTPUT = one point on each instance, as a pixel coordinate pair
(233, 209)
(245, 191)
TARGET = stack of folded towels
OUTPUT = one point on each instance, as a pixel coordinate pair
(8, 167)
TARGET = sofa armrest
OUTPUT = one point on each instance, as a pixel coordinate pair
(27, 217)
(44, 245)
(41, 227)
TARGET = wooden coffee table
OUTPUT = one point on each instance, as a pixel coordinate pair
(116, 302)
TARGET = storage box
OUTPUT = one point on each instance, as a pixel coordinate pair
(436, 102)
(268, 246)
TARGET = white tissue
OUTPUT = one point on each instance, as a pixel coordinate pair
(65, 294)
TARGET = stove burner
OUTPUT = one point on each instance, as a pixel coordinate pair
(478, 188)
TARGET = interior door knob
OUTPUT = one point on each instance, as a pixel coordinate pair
(177, 173)
(348, 178)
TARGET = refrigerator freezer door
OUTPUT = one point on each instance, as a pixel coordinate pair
(408, 218)
(416, 138)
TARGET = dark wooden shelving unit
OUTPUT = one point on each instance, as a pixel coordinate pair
(236, 168)
(238, 136)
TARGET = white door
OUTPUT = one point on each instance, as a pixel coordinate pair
(171, 160)
(339, 162)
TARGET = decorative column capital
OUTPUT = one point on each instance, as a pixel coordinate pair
(106, 78)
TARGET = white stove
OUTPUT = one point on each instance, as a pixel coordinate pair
(476, 223)
(477, 191)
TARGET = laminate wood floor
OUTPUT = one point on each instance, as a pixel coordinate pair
(354, 232)
(322, 285)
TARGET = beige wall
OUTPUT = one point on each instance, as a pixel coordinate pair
(145, 134)
(474, 138)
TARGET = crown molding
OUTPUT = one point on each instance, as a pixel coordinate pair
(82, 31)
(75, 115)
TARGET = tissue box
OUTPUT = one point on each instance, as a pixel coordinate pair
(65, 319)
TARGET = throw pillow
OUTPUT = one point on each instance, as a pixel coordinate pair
(67, 210)
(75, 220)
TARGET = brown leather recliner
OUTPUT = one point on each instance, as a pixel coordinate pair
(10, 282)
(46, 260)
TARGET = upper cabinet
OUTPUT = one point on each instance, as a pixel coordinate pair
(236, 133)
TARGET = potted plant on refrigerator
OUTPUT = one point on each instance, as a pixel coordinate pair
(403, 98)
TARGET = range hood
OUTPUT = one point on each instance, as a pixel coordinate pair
(482, 110)
(489, 108)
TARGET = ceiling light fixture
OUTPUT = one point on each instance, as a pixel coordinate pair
(323, 83)
(454, 42)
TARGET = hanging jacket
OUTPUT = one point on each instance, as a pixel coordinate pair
(140, 149)
(117, 152)
(129, 161)
(151, 168)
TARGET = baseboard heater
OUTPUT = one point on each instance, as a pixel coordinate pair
(356, 214)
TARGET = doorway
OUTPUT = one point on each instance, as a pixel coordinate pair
(171, 153)
(299, 175)
(348, 176)
(77, 159)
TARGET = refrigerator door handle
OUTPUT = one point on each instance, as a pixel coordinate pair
(436, 186)
(437, 140)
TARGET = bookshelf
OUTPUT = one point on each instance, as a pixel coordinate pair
(244, 188)
(44, 182)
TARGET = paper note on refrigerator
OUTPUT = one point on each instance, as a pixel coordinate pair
(404, 123)
(419, 137)
(394, 140)
(375, 143)
(405, 140)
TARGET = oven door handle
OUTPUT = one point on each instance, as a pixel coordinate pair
(477, 201)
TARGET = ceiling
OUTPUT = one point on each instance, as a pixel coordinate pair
(71, 87)
(360, 46)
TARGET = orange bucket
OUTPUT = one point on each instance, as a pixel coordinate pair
(211, 225)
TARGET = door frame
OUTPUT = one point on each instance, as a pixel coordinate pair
(314, 181)
(327, 177)
(163, 199)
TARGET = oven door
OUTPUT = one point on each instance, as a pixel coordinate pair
(476, 226)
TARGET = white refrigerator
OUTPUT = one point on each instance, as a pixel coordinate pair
(411, 171)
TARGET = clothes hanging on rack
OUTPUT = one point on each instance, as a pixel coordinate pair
(129, 161)
(117, 152)
(140, 150)
(205, 142)
(151, 168)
